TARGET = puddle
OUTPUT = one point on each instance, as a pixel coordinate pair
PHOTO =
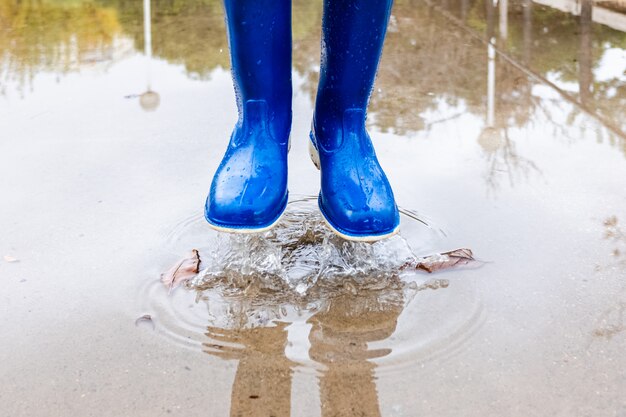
(502, 123)
(299, 277)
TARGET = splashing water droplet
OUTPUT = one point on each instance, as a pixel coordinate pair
(299, 254)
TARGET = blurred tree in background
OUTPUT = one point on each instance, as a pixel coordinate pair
(56, 36)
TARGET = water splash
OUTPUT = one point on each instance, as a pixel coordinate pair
(300, 274)
(301, 255)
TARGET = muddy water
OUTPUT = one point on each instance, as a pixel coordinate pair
(502, 127)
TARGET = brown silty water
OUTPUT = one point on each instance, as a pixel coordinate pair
(502, 128)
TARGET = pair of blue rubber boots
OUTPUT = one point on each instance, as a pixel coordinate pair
(249, 190)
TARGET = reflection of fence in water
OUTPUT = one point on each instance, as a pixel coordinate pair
(610, 13)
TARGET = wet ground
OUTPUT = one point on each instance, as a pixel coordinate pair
(502, 126)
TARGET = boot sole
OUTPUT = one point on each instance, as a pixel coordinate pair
(246, 229)
(315, 158)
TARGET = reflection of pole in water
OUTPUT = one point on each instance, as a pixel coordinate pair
(491, 83)
(504, 18)
(527, 45)
(585, 75)
(149, 100)
(147, 30)
(528, 30)
(491, 64)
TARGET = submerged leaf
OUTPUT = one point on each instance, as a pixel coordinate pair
(443, 260)
(184, 270)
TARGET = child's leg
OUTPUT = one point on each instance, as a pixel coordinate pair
(356, 198)
(249, 190)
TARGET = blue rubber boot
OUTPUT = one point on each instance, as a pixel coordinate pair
(249, 189)
(356, 198)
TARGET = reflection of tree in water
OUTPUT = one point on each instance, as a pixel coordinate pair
(40, 36)
(420, 70)
(494, 139)
(342, 327)
(562, 47)
(186, 32)
(502, 157)
(193, 33)
(424, 69)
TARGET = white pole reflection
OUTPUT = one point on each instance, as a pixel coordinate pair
(147, 29)
(504, 16)
(491, 61)
(528, 30)
(149, 101)
(491, 82)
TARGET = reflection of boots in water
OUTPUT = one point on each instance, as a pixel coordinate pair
(356, 198)
(249, 189)
(262, 384)
(339, 339)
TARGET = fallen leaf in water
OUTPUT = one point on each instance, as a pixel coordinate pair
(184, 270)
(441, 261)
(147, 318)
(446, 260)
(10, 259)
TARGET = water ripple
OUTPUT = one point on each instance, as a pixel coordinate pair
(333, 299)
